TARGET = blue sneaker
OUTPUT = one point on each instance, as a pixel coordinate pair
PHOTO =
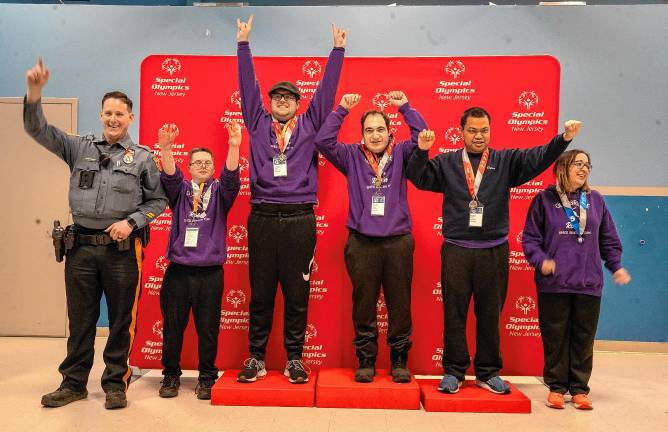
(449, 384)
(495, 384)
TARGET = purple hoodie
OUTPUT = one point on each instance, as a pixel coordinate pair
(301, 183)
(211, 220)
(350, 160)
(578, 266)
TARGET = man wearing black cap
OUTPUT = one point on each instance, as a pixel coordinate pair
(283, 183)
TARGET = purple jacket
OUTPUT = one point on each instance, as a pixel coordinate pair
(578, 266)
(350, 160)
(219, 195)
(301, 183)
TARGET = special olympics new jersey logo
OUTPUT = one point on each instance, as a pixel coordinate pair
(453, 135)
(311, 68)
(235, 298)
(161, 263)
(236, 98)
(310, 333)
(526, 304)
(157, 328)
(314, 267)
(243, 164)
(527, 99)
(518, 238)
(455, 68)
(237, 233)
(380, 304)
(381, 101)
(171, 66)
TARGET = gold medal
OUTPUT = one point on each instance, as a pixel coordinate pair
(377, 182)
(473, 204)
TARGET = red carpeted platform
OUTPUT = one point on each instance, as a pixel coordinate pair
(336, 388)
(472, 398)
(273, 390)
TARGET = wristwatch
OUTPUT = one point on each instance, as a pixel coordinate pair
(132, 223)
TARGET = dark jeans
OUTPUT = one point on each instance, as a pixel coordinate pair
(373, 262)
(281, 248)
(483, 274)
(200, 289)
(568, 326)
(89, 272)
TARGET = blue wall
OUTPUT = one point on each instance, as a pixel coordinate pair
(614, 65)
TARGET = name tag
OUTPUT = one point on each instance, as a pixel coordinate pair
(378, 205)
(280, 166)
(475, 217)
(191, 237)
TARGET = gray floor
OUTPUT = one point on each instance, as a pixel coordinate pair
(629, 391)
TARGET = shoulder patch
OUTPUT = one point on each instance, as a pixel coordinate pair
(143, 147)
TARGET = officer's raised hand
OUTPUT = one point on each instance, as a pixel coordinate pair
(244, 29)
(571, 129)
(36, 79)
(426, 139)
(340, 36)
(397, 98)
(350, 100)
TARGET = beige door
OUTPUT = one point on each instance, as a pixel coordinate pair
(35, 182)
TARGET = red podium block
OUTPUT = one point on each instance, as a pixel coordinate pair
(472, 398)
(272, 390)
(336, 388)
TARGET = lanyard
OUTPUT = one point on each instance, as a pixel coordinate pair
(199, 197)
(283, 134)
(579, 223)
(378, 165)
(474, 183)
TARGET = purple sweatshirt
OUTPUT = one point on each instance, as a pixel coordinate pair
(578, 266)
(301, 183)
(210, 219)
(351, 161)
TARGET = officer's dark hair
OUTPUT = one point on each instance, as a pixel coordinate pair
(375, 112)
(120, 96)
(476, 112)
(197, 150)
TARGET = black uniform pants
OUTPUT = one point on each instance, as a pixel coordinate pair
(281, 248)
(483, 274)
(373, 262)
(89, 272)
(200, 289)
(568, 326)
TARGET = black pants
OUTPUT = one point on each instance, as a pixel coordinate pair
(483, 274)
(89, 272)
(568, 326)
(200, 289)
(281, 248)
(372, 262)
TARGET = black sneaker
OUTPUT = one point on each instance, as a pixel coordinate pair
(62, 397)
(203, 389)
(366, 371)
(170, 386)
(296, 372)
(253, 370)
(115, 399)
(400, 373)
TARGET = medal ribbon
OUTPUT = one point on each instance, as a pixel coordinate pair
(474, 183)
(198, 190)
(376, 165)
(283, 134)
(579, 223)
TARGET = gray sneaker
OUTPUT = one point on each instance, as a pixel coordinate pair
(495, 384)
(296, 372)
(449, 384)
(253, 369)
(62, 397)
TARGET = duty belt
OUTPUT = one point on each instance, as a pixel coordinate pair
(101, 239)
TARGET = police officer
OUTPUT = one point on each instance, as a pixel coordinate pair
(115, 191)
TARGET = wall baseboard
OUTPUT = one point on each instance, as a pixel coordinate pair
(631, 346)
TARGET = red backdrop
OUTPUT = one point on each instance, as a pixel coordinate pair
(200, 94)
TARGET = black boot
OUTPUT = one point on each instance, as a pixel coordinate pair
(400, 373)
(366, 371)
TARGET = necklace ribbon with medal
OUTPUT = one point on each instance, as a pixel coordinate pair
(378, 199)
(578, 223)
(473, 183)
(283, 135)
(199, 198)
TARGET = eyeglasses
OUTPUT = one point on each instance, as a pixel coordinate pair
(277, 97)
(580, 165)
(199, 163)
